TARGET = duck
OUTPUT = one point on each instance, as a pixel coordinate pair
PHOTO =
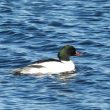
(52, 66)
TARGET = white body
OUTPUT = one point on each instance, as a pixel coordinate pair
(52, 67)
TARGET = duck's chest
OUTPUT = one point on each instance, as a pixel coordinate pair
(69, 65)
(62, 66)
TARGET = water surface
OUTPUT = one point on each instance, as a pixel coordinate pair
(34, 29)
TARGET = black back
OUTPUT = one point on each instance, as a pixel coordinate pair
(47, 60)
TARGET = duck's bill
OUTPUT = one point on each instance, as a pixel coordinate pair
(78, 54)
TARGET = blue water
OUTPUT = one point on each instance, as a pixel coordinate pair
(34, 29)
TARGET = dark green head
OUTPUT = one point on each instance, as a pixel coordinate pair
(66, 52)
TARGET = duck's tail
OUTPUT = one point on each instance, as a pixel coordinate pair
(17, 71)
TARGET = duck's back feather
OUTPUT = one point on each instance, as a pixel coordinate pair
(47, 60)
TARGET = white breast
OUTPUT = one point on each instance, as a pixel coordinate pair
(51, 67)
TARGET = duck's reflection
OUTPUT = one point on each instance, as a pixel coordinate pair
(66, 76)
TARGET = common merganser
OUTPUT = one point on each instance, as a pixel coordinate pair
(52, 66)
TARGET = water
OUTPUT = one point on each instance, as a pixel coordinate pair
(36, 29)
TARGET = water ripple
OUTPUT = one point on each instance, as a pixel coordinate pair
(32, 30)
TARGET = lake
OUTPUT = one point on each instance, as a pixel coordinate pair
(36, 29)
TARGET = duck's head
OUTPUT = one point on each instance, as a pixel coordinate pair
(66, 52)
